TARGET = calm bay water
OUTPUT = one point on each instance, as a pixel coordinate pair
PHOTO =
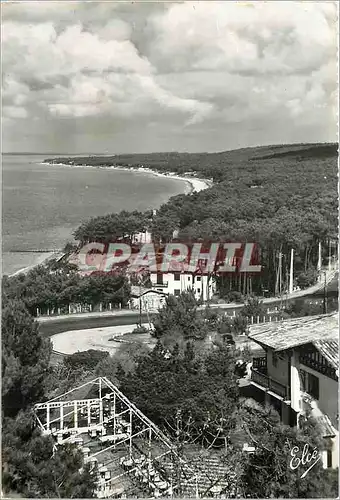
(43, 204)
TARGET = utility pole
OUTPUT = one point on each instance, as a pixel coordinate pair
(319, 258)
(291, 275)
(280, 273)
(277, 278)
(329, 254)
(208, 288)
(140, 302)
(325, 294)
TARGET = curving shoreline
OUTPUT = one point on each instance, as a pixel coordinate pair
(196, 184)
(193, 185)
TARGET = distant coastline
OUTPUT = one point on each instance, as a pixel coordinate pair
(196, 184)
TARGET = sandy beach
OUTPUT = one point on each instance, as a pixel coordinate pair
(196, 184)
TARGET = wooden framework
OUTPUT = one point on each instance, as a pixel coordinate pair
(117, 437)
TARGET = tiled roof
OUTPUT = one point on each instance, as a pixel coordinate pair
(329, 350)
(322, 331)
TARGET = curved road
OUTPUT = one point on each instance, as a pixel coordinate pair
(52, 325)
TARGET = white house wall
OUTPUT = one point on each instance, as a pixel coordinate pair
(328, 388)
(328, 394)
(187, 281)
(295, 382)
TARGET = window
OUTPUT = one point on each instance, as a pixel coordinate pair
(198, 278)
(159, 279)
(177, 292)
(198, 290)
(310, 384)
(329, 459)
(177, 277)
(313, 386)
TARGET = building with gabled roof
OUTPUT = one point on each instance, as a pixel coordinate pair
(147, 299)
(300, 369)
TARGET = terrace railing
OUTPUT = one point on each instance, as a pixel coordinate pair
(260, 364)
(270, 384)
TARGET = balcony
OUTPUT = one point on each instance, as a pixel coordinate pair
(260, 364)
(320, 365)
(260, 378)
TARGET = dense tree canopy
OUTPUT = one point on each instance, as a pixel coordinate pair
(33, 469)
(46, 288)
(109, 228)
(280, 197)
(25, 359)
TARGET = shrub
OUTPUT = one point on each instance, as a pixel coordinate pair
(140, 329)
(235, 296)
(307, 278)
(87, 360)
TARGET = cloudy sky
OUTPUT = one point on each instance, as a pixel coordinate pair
(105, 77)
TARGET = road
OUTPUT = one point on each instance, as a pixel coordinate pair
(83, 322)
(52, 325)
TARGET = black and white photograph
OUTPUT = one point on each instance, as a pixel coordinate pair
(170, 258)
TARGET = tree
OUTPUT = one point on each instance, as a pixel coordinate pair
(228, 327)
(30, 466)
(187, 392)
(307, 278)
(113, 227)
(35, 470)
(267, 472)
(299, 308)
(253, 307)
(25, 359)
(179, 317)
(123, 361)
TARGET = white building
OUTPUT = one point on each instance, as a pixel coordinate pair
(145, 237)
(175, 283)
(146, 299)
(300, 369)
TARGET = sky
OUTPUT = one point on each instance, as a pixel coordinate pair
(133, 77)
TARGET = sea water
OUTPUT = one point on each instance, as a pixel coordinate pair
(43, 204)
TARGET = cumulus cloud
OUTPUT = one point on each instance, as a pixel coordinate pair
(258, 38)
(197, 66)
